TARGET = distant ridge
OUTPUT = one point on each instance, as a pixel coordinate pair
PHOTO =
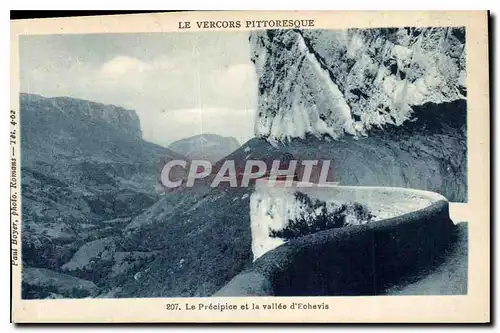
(211, 147)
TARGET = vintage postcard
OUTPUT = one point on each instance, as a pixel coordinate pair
(251, 167)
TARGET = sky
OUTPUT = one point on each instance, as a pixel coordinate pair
(180, 84)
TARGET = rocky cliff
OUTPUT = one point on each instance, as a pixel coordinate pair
(350, 81)
(388, 106)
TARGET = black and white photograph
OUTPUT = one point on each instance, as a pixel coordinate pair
(280, 160)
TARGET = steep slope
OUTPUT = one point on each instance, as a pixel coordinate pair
(427, 154)
(83, 164)
(202, 241)
(386, 105)
(209, 147)
(349, 81)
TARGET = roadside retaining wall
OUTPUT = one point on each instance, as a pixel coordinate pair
(355, 260)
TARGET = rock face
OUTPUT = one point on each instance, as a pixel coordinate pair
(84, 164)
(392, 100)
(335, 82)
(209, 147)
(67, 127)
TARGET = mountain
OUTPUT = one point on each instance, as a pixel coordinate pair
(209, 147)
(74, 129)
(86, 172)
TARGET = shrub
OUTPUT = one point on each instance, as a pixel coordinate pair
(317, 215)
